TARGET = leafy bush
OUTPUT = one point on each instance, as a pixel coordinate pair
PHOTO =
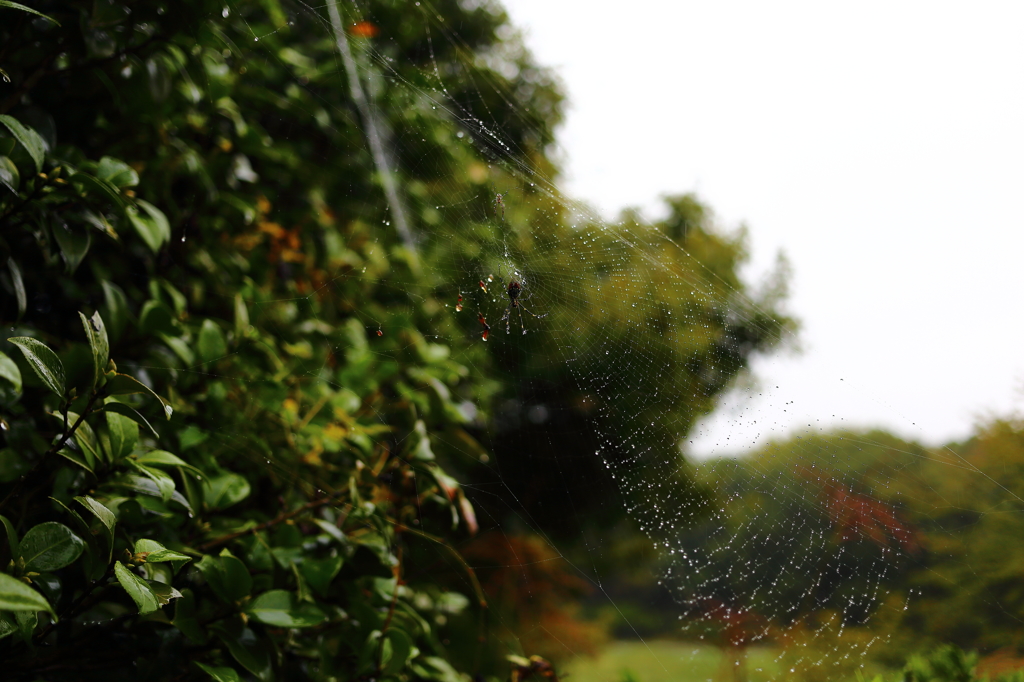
(212, 462)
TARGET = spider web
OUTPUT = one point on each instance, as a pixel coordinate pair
(790, 546)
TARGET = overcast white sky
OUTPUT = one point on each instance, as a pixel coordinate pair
(879, 144)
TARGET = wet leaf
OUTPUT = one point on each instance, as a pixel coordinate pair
(220, 673)
(211, 342)
(101, 512)
(123, 384)
(50, 546)
(129, 412)
(138, 589)
(74, 243)
(282, 609)
(124, 434)
(157, 553)
(44, 362)
(23, 8)
(17, 596)
(164, 458)
(226, 490)
(12, 536)
(9, 176)
(19, 286)
(164, 483)
(9, 371)
(29, 139)
(96, 332)
(117, 172)
(151, 224)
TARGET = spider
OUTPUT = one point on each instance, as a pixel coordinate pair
(513, 291)
(498, 203)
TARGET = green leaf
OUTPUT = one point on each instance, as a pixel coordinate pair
(84, 438)
(96, 332)
(124, 434)
(44, 362)
(27, 622)
(105, 516)
(399, 652)
(100, 222)
(156, 318)
(17, 596)
(19, 286)
(220, 673)
(241, 316)
(116, 304)
(117, 172)
(99, 187)
(12, 536)
(98, 510)
(252, 653)
(320, 572)
(74, 243)
(146, 486)
(128, 411)
(77, 458)
(50, 546)
(178, 300)
(164, 458)
(123, 384)
(164, 592)
(282, 609)
(29, 139)
(9, 371)
(226, 490)
(157, 553)
(9, 175)
(211, 342)
(227, 575)
(164, 483)
(8, 626)
(435, 668)
(84, 532)
(180, 348)
(186, 619)
(137, 588)
(15, 5)
(151, 225)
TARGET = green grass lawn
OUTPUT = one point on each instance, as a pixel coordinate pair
(668, 661)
